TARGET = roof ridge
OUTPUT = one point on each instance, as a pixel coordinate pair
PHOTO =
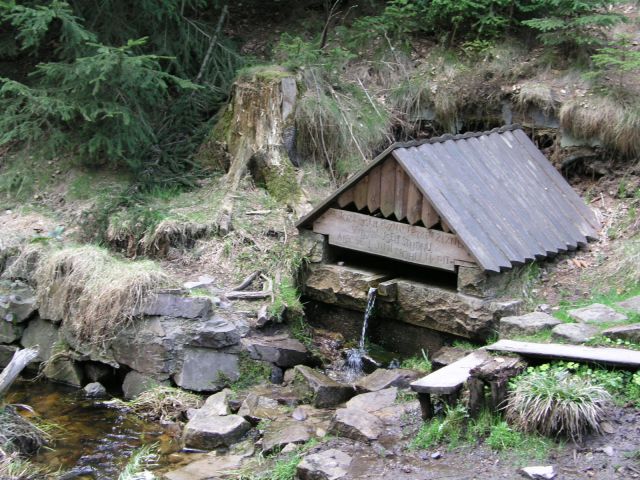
(449, 136)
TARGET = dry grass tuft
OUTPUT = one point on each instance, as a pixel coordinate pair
(172, 232)
(18, 434)
(623, 266)
(615, 122)
(556, 403)
(95, 293)
(536, 94)
(13, 467)
(164, 403)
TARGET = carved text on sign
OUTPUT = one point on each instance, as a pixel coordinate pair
(400, 241)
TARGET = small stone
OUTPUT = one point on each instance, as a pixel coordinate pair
(299, 414)
(319, 389)
(630, 333)
(607, 427)
(280, 350)
(608, 450)
(356, 425)
(528, 324)
(539, 473)
(257, 407)
(278, 434)
(206, 431)
(218, 403)
(436, 455)
(289, 448)
(331, 464)
(574, 332)
(374, 401)
(95, 390)
(632, 304)
(407, 469)
(597, 313)
(381, 379)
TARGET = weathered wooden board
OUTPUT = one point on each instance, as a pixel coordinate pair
(388, 187)
(402, 191)
(373, 190)
(620, 357)
(400, 241)
(414, 204)
(360, 193)
(345, 198)
(450, 378)
(429, 215)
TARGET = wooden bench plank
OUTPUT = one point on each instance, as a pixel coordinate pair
(619, 357)
(450, 378)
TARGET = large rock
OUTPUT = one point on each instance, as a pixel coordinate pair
(416, 303)
(318, 389)
(43, 334)
(10, 332)
(528, 324)
(447, 355)
(630, 333)
(632, 304)
(574, 332)
(356, 424)
(64, 370)
(217, 332)
(280, 350)
(207, 431)
(208, 468)
(328, 465)
(382, 379)
(374, 401)
(6, 354)
(218, 403)
(177, 306)
(206, 370)
(136, 383)
(17, 307)
(596, 313)
(278, 434)
(257, 407)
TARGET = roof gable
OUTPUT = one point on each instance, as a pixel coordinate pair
(496, 190)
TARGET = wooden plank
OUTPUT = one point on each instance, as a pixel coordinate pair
(345, 198)
(445, 226)
(414, 204)
(619, 357)
(388, 187)
(373, 190)
(429, 216)
(402, 190)
(450, 378)
(360, 193)
(378, 236)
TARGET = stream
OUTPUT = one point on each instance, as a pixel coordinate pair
(90, 434)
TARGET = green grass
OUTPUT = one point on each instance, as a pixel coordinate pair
(447, 430)
(543, 336)
(609, 298)
(139, 461)
(252, 373)
(419, 363)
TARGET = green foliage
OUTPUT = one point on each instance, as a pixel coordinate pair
(252, 373)
(571, 23)
(554, 402)
(419, 363)
(448, 429)
(618, 58)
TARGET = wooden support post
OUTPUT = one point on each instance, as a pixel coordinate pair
(499, 393)
(476, 396)
(426, 406)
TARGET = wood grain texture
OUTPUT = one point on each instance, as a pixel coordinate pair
(402, 190)
(450, 378)
(429, 216)
(360, 193)
(388, 187)
(345, 198)
(373, 190)
(414, 204)
(390, 239)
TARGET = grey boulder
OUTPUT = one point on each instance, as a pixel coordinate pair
(356, 424)
(374, 401)
(279, 434)
(574, 332)
(205, 370)
(381, 379)
(95, 390)
(280, 350)
(630, 333)
(318, 389)
(207, 431)
(597, 313)
(528, 324)
(328, 465)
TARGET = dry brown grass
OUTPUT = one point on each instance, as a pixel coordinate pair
(96, 293)
(536, 94)
(615, 123)
(164, 403)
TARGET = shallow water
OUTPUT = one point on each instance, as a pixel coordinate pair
(91, 435)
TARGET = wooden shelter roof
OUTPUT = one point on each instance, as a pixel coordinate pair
(496, 191)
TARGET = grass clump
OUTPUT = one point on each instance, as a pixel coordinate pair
(554, 403)
(164, 403)
(252, 372)
(448, 429)
(95, 293)
(137, 465)
(419, 363)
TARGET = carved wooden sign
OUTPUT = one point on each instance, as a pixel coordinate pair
(387, 238)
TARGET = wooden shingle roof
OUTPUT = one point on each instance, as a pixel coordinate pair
(497, 192)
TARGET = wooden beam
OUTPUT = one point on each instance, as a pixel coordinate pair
(449, 379)
(414, 204)
(387, 238)
(360, 193)
(619, 357)
(388, 187)
(373, 189)
(429, 216)
(20, 360)
(345, 198)
(402, 189)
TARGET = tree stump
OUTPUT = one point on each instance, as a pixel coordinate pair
(494, 373)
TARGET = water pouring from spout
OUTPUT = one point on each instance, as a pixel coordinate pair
(354, 363)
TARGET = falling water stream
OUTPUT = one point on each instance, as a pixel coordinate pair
(354, 362)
